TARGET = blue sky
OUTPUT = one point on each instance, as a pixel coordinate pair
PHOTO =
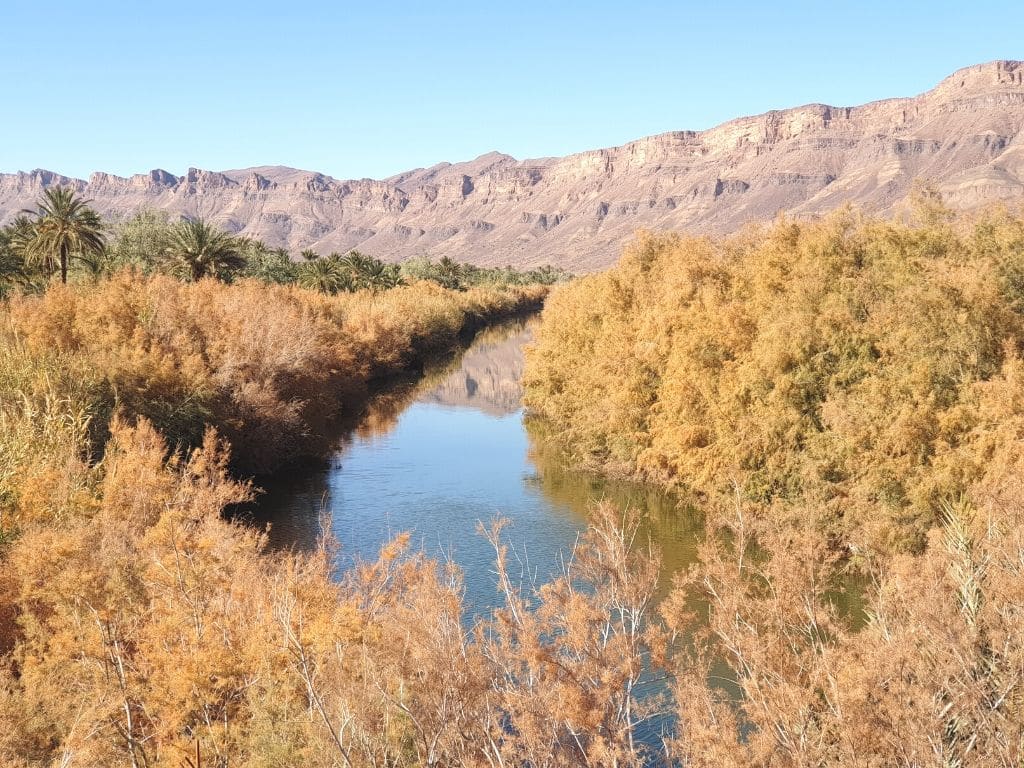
(371, 89)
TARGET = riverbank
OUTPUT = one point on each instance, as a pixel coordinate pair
(838, 394)
(141, 627)
(848, 373)
(270, 367)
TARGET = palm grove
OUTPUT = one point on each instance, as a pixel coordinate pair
(836, 396)
(64, 236)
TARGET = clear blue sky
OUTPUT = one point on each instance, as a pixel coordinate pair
(370, 89)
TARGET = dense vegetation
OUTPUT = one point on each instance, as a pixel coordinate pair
(840, 393)
(273, 361)
(64, 235)
(139, 628)
(865, 369)
(273, 367)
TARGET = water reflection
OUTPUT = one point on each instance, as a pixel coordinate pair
(488, 376)
(437, 457)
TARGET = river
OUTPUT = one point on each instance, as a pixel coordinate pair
(440, 456)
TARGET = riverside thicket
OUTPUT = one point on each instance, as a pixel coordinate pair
(845, 391)
(857, 370)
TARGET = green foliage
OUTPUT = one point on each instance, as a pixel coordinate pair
(140, 240)
(269, 266)
(150, 242)
(367, 272)
(13, 270)
(451, 274)
(63, 228)
(325, 275)
(196, 249)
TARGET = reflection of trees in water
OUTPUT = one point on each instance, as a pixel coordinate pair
(294, 499)
(456, 380)
(668, 523)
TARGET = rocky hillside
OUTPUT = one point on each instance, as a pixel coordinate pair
(964, 136)
(489, 377)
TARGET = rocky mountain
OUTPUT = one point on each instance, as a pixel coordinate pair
(964, 136)
(489, 377)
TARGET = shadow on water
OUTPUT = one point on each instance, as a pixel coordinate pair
(440, 455)
(437, 456)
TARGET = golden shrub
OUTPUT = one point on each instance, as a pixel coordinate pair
(835, 364)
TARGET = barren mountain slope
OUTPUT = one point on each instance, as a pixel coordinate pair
(576, 211)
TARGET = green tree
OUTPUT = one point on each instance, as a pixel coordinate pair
(324, 275)
(13, 239)
(197, 249)
(369, 272)
(98, 264)
(450, 273)
(268, 265)
(140, 241)
(64, 228)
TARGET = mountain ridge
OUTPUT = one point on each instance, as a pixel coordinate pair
(964, 135)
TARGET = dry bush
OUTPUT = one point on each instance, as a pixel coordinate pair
(272, 367)
(834, 366)
(147, 625)
(934, 678)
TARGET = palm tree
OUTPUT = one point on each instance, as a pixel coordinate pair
(12, 264)
(197, 249)
(450, 273)
(324, 275)
(357, 264)
(99, 264)
(309, 254)
(380, 276)
(368, 272)
(64, 228)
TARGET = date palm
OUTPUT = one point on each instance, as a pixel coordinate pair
(64, 227)
(198, 249)
(369, 272)
(379, 276)
(325, 275)
(12, 263)
(450, 273)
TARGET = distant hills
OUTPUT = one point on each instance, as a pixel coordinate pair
(964, 136)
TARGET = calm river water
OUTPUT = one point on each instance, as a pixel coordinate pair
(439, 456)
(452, 451)
(449, 452)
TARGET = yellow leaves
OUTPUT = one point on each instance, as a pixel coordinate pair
(270, 366)
(820, 359)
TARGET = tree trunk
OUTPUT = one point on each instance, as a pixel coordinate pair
(64, 263)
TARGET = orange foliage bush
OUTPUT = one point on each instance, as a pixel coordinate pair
(839, 366)
(149, 627)
(860, 374)
(272, 367)
(934, 677)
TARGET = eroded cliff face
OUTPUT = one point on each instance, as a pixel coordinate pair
(964, 136)
(490, 374)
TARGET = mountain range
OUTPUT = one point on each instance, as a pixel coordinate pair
(964, 137)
